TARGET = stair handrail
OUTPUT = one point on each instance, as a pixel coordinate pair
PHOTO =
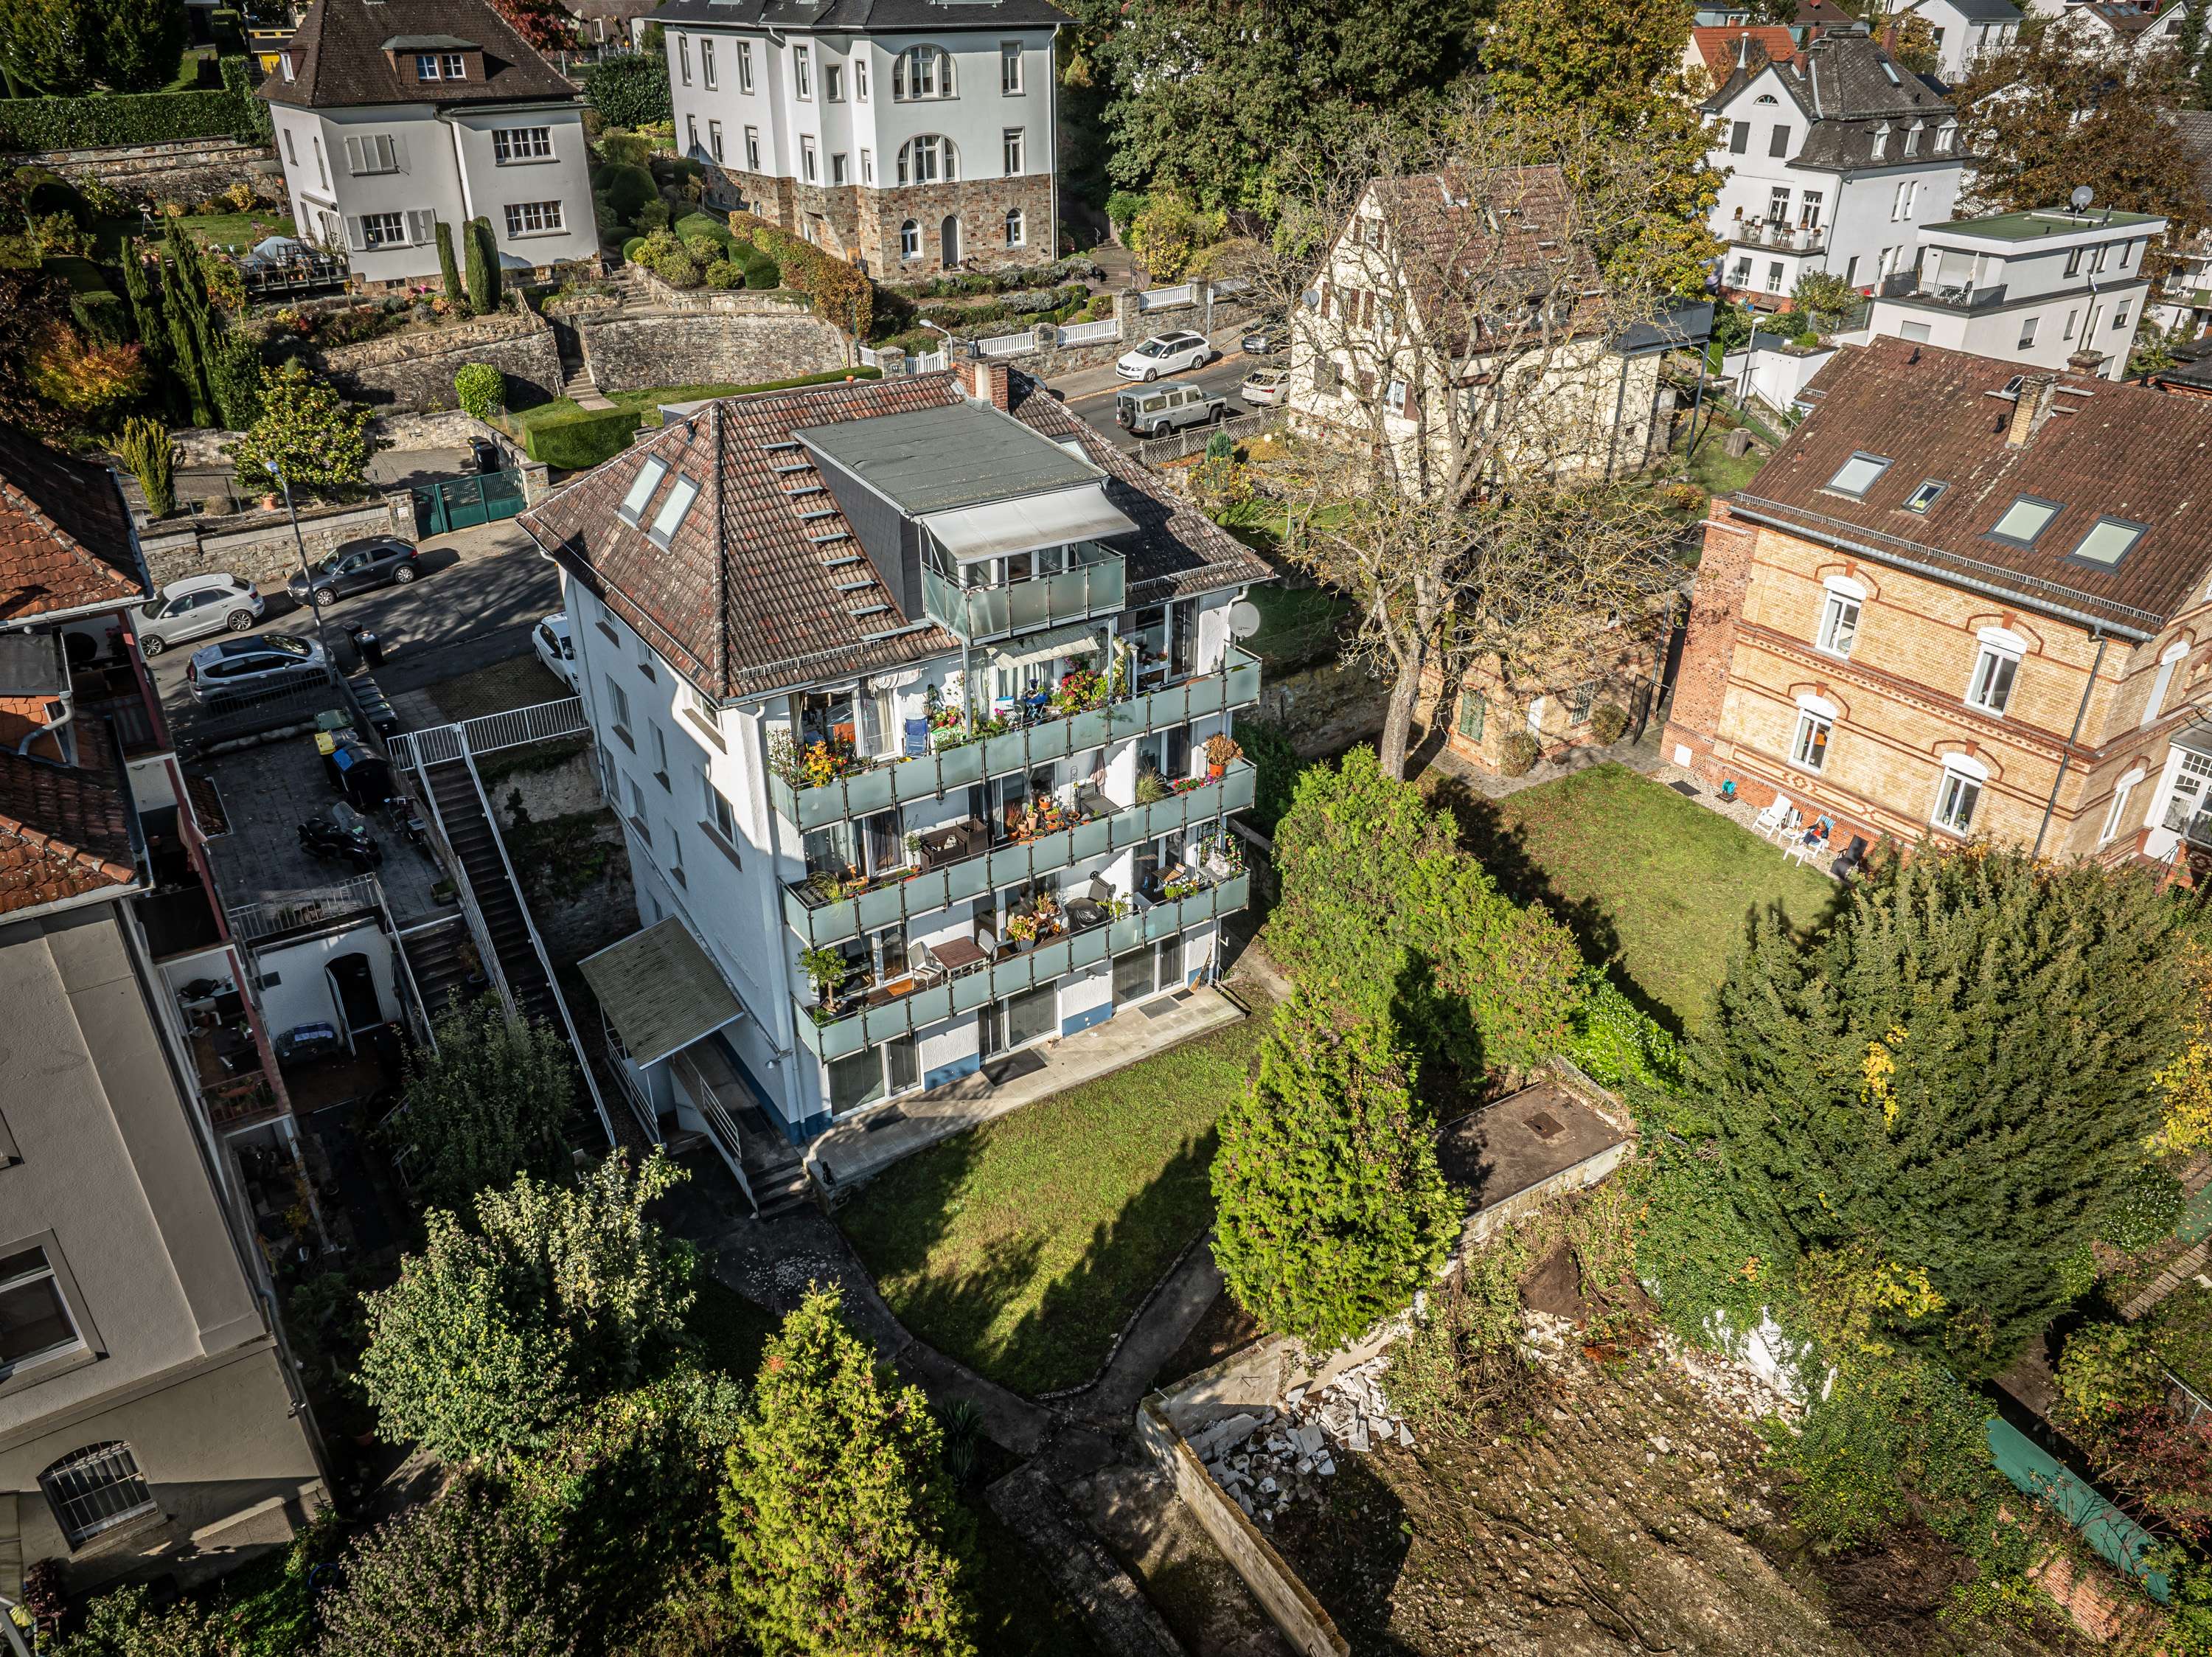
(479, 933)
(538, 944)
(416, 1003)
(718, 1118)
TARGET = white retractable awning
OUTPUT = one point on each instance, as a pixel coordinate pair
(998, 527)
(1076, 641)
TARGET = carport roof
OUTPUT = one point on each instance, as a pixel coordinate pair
(658, 991)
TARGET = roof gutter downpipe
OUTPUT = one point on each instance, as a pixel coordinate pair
(2067, 758)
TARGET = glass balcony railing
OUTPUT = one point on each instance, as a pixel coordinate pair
(893, 782)
(1044, 965)
(1098, 586)
(822, 920)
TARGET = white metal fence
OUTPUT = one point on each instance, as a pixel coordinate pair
(1007, 345)
(1166, 299)
(540, 722)
(1090, 333)
(286, 910)
(932, 362)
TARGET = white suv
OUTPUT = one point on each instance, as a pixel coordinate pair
(1165, 353)
(194, 606)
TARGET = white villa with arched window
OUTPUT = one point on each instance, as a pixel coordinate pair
(918, 140)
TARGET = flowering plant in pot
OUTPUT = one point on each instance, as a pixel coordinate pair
(1220, 749)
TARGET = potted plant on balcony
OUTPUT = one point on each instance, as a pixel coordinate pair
(1022, 932)
(1220, 749)
(1150, 786)
(825, 971)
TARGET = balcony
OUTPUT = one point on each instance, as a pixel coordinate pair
(1043, 964)
(1096, 585)
(893, 782)
(822, 920)
(1952, 296)
(1783, 238)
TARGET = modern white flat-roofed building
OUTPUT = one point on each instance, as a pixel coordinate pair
(908, 135)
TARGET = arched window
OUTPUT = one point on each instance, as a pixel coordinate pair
(96, 1490)
(910, 239)
(922, 72)
(1016, 230)
(927, 159)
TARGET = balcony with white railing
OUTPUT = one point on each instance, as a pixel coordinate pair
(1781, 237)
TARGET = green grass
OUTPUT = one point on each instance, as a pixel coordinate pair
(1021, 1247)
(1656, 884)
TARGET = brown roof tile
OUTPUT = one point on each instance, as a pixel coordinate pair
(740, 602)
(64, 533)
(63, 832)
(2105, 449)
(1719, 46)
(338, 56)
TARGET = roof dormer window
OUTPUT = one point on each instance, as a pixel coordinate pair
(285, 63)
(1946, 137)
(1913, 137)
(1881, 141)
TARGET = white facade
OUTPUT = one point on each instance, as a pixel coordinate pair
(375, 179)
(2034, 289)
(1966, 32)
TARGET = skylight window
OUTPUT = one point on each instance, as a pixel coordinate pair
(669, 518)
(1890, 69)
(1856, 475)
(1925, 496)
(2024, 520)
(2108, 541)
(641, 489)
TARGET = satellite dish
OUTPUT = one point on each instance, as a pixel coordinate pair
(2082, 195)
(1243, 619)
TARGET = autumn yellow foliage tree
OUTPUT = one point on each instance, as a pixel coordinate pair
(2187, 1081)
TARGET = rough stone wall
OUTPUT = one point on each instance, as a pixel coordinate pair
(1324, 709)
(414, 371)
(186, 170)
(630, 350)
(258, 546)
(862, 221)
(553, 779)
(725, 301)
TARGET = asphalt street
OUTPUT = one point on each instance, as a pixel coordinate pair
(1090, 393)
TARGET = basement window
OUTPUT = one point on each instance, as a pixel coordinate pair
(1925, 496)
(641, 491)
(1856, 475)
(669, 518)
(2109, 540)
(2024, 520)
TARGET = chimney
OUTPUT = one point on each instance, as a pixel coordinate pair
(2031, 405)
(985, 381)
(2087, 363)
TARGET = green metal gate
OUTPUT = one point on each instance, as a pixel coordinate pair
(462, 503)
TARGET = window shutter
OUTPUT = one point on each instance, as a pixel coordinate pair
(420, 226)
(396, 153)
(353, 157)
(354, 237)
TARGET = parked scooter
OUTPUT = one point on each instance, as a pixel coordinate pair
(342, 835)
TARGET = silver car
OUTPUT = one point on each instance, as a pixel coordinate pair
(193, 607)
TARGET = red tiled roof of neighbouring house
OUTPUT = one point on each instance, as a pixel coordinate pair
(63, 832)
(1719, 48)
(64, 534)
(740, 600)
(338, 57)
(2100, 450)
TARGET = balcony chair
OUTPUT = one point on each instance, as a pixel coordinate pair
(1812, 842)
(1851, 860)
(1779, 817)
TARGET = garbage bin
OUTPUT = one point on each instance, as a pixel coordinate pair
(371, 648)
(488, 456)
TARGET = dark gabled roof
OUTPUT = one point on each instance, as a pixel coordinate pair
(1841, 82)
(63, 832)
(864, 16)
(740, 600)
(64, 534)
(2106, 449)
(339, 61)
(2195, 126)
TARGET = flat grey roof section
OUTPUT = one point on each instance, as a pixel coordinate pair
(660, 991)
(32, 664)
(1521, 1142)
(931, 460)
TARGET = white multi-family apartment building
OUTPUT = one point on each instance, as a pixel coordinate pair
(904, 689)
(2047, 289)
(1966, 31)
(393, 115)
(2116, 28)
(908, 135)
(1835, 157)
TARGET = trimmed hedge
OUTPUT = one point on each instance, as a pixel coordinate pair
(587, 438)
(108, 118)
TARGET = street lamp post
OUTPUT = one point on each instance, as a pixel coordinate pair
(322, 637)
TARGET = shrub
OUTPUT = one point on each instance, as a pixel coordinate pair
(316, 438)
(492, 1101)
(101, 317)
(234, 371)
(83, 379)
(762, 273)
(839, 294)
(677, 269)
(484, 267)
(631, 248)
(480, 389)
(724, 273)
(706, 224)
(449, 274)
(631, 90)
(493, 1337)
(1168, 234)
(626, 189)
(1331, 1211)
(1517, 754)
(144, 447)
(1608, 721)
(1122, 207)
(653, 215)
(704, 249)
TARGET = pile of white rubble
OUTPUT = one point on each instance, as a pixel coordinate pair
(1268, 1460)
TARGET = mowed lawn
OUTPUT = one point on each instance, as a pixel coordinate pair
(1656, 882)
(1022, 1247)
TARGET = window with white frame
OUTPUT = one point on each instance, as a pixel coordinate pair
(868, 167)
(1808, 744)
(1011, 140)
(2115, 818)
(1946, 137)
(684, 58)
(291, 147)
(1393, 396)
(619, 705)
(2168, 664)
(34, 1315)
(426, 65)
(2192, 789)
(285, 63)
(322, 173)
(802, 72)
(1016, 227)
(95, 1490)
(521, 143)
(1957, 796)
(2028, 331)
(384, 229)
(859, 80)
(744, 66)
(714, 139)
(840, 168)
(910, 239)
(752, 150)
(373, 152)
(922, 72)
(534, 218)
(721, 817)
(927, 159)
(806, 164)
(833, 82)
(453, 66)
(1839, 617)
(2120, 313)
(1997, 668)
(638, 819)
(1010, 68)
(707, 63)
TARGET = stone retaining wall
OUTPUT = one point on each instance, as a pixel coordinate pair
(627, 350)
(414, 371)
(258, 546)
(721, 302)
(186, 170)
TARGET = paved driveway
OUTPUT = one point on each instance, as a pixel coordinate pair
(1090, 393)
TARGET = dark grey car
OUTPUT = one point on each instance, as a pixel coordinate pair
(355, 567)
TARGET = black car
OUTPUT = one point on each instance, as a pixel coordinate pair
(355, 567)
(1267, 339)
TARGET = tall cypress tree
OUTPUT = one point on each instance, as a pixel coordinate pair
(456, 295)
(482, 254)
(184, 293)
(1958, 1072)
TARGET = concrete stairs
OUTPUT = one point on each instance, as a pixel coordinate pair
(438, 957)
(460, 808)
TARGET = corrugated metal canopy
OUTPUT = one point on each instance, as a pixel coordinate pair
(658, 991)
(997, 527)
(1077, 640)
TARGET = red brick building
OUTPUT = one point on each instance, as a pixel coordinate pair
(1966, 601)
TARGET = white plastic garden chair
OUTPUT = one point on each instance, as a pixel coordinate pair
(1780, 815)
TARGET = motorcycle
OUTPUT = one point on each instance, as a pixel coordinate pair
(342, 837)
